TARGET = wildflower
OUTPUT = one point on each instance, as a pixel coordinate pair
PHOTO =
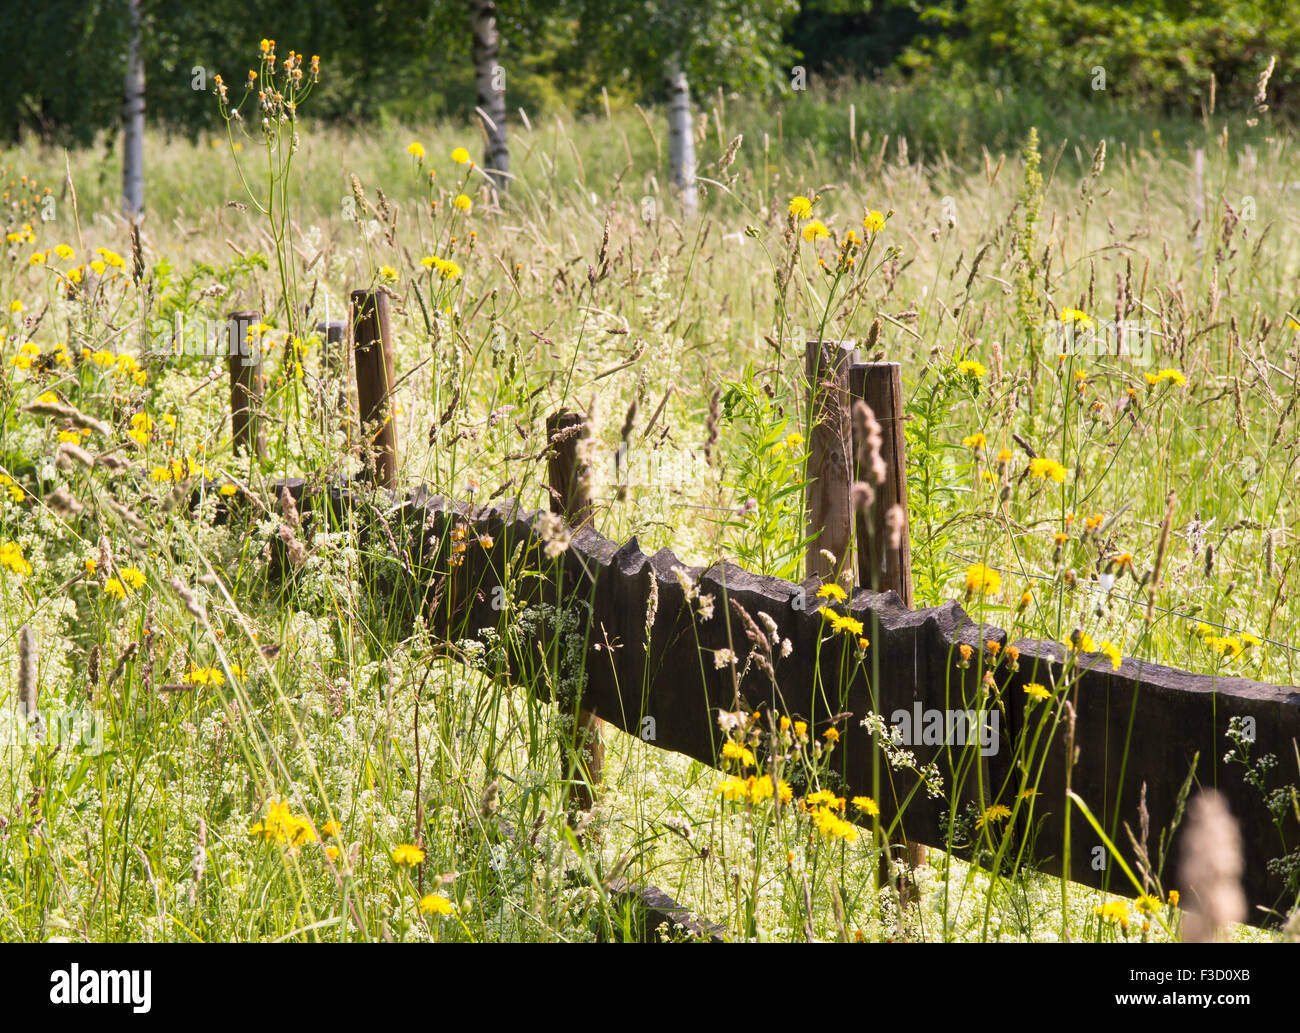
(874, 222)
(64, 252)
(416, 151)
(998, 812)
(435, 904)
(463, 203)
(1112, 652)
(1047, 468)
(228, 490)
(816, 230)
(843, 625)
(972, 368)
(1172, 375)
(1248, 640)
(1082, 641)
(801, 729)
(1076, 316)
(734, 790)
(331, 829)
(975, 440)
(460, 156)
(800, 207)
(11, 559)
(735, 751)
(132, 577)
(1173, 898)
(722, 658)
(832, 591)
(982, 579)
(1036, 691)
(407, 855)
(866, 805)
(115, 588)
(204, 676)
(1112, 911)
(831, 735)
(388, 274)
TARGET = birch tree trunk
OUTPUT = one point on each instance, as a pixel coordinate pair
(681, 140)
(490, 80)
(133, 122)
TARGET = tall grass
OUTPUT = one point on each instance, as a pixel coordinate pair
(262, 677)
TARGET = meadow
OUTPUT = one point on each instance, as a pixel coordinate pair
(272, 758)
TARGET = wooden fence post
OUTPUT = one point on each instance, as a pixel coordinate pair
(883, 531)
(244, 357)
(334, 332)
(884, 543)
(569, 476)
(830, 467)
(373, 355)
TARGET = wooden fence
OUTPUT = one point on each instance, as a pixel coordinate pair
(1142, 735)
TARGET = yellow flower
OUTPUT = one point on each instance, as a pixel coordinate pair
(998, 812)
(800, 207)
(11, 559)
(866, 805)
(874, 222)
(734, 790)
(801, 729)
(407, 855)
(64, 252)
(971, 367)
(975, 440)
(435, 904)
(463, 203)
(388, 274)
(832, 591)
(416, 151)
(984, 580)
(1112, 651)
(735, 751)
(132, 577)
(1173, 898)
(1045, 468)
(831, 735)
(816, 230)
(228, 490)
(1112, 911)
(1037, 691)
(460, 156)
(1172, 375)
(115, 588)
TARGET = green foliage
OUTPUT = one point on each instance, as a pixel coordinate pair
(1160, 51)
(766, 481)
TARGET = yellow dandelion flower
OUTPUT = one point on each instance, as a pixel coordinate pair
(406, 854)
(874, 222)
(1047, 468)
(460, 156)
(998, 812)
(982, 579)
(816, 230)
(1036, 691)
(435, 904)
(800, 207)
(463, 203)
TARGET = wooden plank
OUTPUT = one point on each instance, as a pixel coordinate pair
(569, 478)
(829, 502)
(244, 359)
(373, 350)
(883, 532)
(1171, 721)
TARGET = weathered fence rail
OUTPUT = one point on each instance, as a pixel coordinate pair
(1141, 735)
(647, 654)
